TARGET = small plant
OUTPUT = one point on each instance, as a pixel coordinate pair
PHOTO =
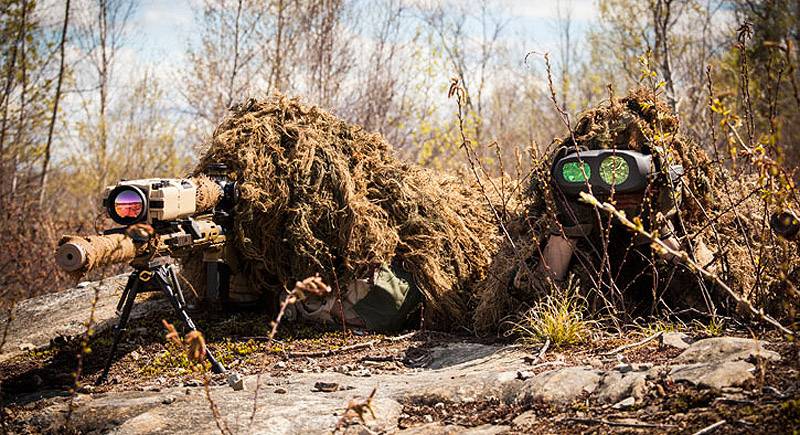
(559, 318)
(714, 328)
(655, 326)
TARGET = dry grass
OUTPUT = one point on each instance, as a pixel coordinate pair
(560, 318)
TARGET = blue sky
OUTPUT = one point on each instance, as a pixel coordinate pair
(161, 29)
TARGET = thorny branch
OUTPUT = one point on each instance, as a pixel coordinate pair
(659, 245)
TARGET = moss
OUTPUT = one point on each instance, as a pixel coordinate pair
(172, 360)
(228, 351)
(789, 413)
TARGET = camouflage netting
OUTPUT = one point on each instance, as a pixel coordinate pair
(318, 195)
(728, 216)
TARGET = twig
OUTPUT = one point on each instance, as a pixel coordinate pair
(632, 345)
(541, 352)
(710, 428)
(684, 257)
(311, 285)
(357, 346)
(621, 423)
(548, 363)
(222, 425)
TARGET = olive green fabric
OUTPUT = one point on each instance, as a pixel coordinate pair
(393, 297)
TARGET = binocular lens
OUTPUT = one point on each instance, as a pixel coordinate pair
(128, 204)
(572, 172)
(614, 170)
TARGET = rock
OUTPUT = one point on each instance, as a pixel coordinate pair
(458, 353)
(624, 403)
(596, 363)
(714, 375)
(562, 385)
(678, 340)
(280, 365)
(623, 368)
(525, 374)
(192, 383)
(27, 346)
(145, 423)
(525, 419)
(39, 320)
(86, 389)
(725, 349)
(168, 400)
(616, 386)
(236, 381)
(326, 387)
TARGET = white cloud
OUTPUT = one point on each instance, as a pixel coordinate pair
(581, 10)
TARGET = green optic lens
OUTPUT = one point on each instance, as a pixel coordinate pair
(614, 170)
(572, 172)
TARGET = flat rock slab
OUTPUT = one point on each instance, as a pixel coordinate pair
(561, 385)
(292, 404)
(720, 349)
(714, 375)
(35, 322)
(458, 372)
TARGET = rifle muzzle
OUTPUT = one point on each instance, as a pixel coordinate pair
(80, 254)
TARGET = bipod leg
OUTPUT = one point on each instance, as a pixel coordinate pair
(168, 281)
(126, 303)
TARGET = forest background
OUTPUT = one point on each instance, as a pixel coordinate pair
(84, 103)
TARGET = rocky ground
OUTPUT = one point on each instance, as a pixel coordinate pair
(313, 381)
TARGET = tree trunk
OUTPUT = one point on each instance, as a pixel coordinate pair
(47, 149)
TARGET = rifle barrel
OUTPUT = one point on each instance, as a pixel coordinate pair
(85, 253)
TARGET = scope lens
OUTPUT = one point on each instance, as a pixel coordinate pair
(614, 170)
(128, 204)
(572, 172)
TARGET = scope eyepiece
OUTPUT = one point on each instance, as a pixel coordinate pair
(127, 205)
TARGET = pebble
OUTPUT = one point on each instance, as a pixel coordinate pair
(280, 365)
(168, 400)
(280, 390)
(525, 374)
(623, 368)
(326, 387)
(624, 403)
(192, 383)
(596, 363)
(236, 381)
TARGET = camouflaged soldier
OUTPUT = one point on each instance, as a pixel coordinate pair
(639, 183)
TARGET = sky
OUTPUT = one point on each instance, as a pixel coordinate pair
(162, 29)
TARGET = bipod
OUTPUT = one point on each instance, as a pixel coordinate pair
(157, 275)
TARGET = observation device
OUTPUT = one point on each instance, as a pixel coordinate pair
(620, 171)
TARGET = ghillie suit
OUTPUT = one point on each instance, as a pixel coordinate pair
(320, 196)
(716, 222)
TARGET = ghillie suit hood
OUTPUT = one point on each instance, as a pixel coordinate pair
(320, 196)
